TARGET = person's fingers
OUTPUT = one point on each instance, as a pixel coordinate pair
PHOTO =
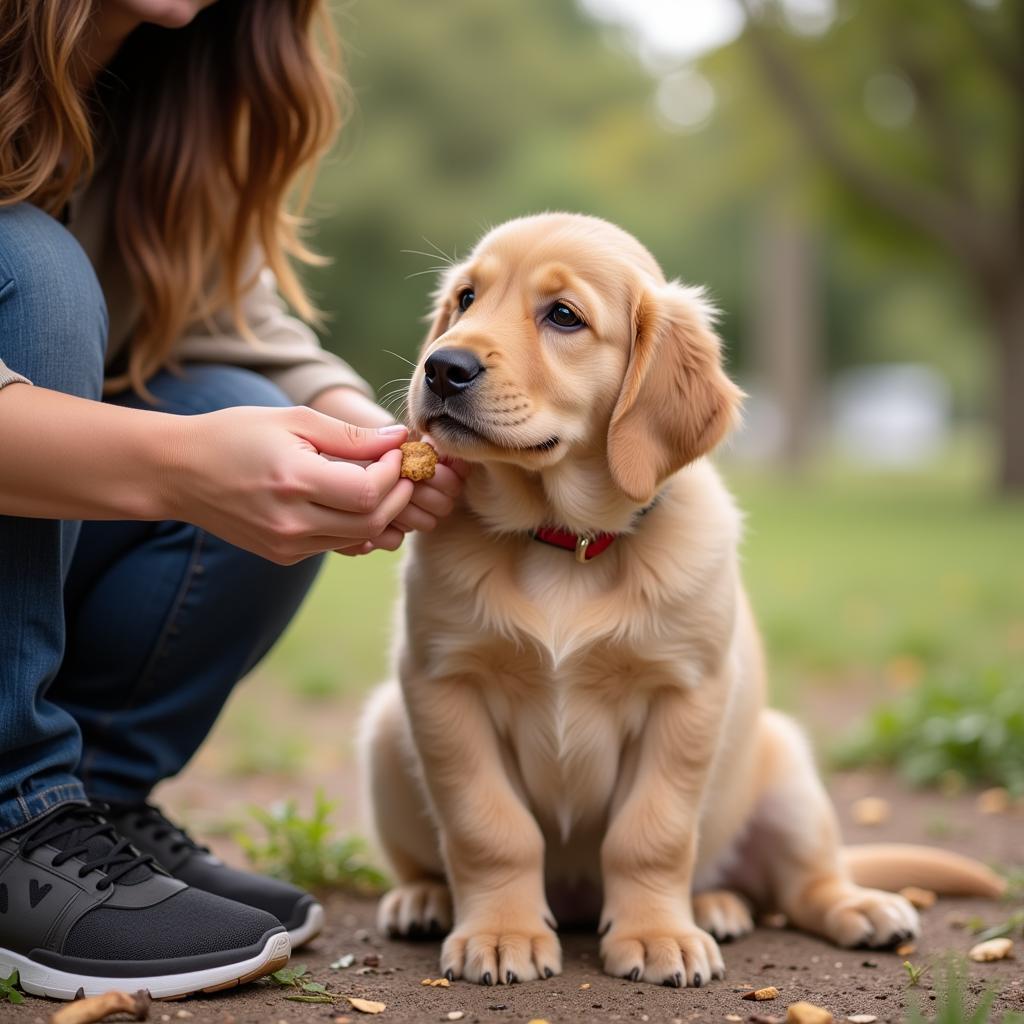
(414, 518)
(320, 522)
(445, 479)
(458, 466)
(431, 500)
(390, 540)
(363, 548)
(350, 488)
(336, 437)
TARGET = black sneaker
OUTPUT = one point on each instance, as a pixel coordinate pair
(81, 909)
(181, 856)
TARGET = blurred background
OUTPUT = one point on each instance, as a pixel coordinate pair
(847, 179)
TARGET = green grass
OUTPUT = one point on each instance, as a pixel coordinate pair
(338, 644)
(853, 575)
(970, 724)
(953, 1005)
(306, 850)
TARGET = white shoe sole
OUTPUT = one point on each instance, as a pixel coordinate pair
(39, 980)
(310, 928)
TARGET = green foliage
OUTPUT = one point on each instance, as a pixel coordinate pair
(9, 989)
(952, 1003)
(972, 724)
(914, 973)
(536, 106)
(298, 978)
(306, 852)
(1013, 925)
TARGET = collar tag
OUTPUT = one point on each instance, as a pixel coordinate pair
(582, 543)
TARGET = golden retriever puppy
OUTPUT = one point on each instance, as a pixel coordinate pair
(578, 724)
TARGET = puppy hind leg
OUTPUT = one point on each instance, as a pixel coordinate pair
(797, 831)
(420, 902)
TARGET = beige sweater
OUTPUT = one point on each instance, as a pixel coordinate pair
(285, 350)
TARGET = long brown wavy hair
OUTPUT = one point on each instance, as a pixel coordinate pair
(208, 127)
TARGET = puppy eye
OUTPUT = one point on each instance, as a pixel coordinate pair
(466, 297)
(562, 316)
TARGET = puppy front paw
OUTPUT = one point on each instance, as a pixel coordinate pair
(415, 909)
(681, 956)
(870, 917)
(501, 952)
(723, 913)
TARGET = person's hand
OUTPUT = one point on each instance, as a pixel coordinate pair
(431, 499)
(435, 498)
(262, 479)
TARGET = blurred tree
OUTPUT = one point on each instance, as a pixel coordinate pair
(950, 77)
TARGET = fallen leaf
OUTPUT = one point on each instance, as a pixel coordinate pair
(807, 1013)
(366, 1005)
(761, 994)
(871, 810)
(918, 897)
(991, 949)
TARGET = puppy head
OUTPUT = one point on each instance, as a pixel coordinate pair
(559, 337)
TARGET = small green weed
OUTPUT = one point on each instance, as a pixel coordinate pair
(951, 1002)
(914, 973)
(1013, 925)
(969, 724)
(306, 852)
(9, 989)
(298, 978)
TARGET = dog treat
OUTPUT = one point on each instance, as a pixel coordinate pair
(993, 949)
(871, 810)
(807, 1013)
(759, 995)
(419, 460)
(920, 898)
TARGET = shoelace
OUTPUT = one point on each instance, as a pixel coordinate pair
(152, 818)
(81, 825)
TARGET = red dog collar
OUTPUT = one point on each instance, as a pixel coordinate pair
(585, 546)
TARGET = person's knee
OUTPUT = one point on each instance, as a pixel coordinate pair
(202, 387)
(53, 317)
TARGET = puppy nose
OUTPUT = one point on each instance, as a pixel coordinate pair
(451, 370)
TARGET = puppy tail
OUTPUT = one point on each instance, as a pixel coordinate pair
(893, 866)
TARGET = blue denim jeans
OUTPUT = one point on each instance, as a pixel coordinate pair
(119, 641)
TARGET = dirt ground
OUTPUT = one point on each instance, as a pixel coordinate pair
(801, 968)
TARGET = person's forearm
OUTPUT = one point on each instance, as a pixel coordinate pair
(63, 457)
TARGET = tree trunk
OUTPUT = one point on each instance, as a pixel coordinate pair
(786, 335)
(1007, 311)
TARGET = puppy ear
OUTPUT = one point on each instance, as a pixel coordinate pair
(676, 402)
(439, 319)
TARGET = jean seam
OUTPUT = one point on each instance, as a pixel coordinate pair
(65, 792)
(145, 676)
(6, 286)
